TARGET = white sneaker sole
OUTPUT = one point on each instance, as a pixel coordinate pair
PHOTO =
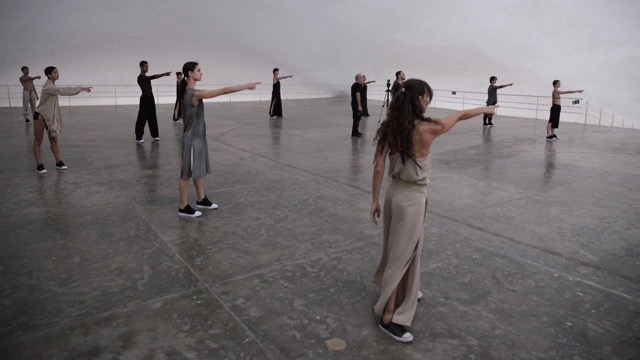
(212, 207)
(195, 215)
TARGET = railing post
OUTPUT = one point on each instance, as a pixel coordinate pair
(586, 111)
(613, 118)
(9, 98)
(463, 100)
(115, 95)
(600, 117)
(537, 105)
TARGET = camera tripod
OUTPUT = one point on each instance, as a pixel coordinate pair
(385, 102)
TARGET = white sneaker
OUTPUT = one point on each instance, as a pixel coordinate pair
(419, 294)
(140, 141)
(156, 139)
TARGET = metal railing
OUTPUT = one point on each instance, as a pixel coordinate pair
(576, 110)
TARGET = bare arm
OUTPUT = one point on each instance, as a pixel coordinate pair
(369, 82)
(568, 92)
(358, 100)
(447, 123)
(378, 174)
(208, 94)
(283, 77)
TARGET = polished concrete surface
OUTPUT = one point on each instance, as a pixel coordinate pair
(531, 248)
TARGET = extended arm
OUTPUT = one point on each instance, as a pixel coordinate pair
(369, 82)
(505, 85)
(568, 92)
(378, 174)
(65, 90)
(208, 94)
(156, 76)
(447, 123)
(283, 77)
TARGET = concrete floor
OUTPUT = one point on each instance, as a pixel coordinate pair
(531, 248)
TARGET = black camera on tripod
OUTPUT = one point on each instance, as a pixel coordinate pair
(388, 84)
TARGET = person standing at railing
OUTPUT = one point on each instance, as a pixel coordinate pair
(47, 116)
(275, 108)
(365, 108)
(405, 137)
(29, 94)
(492, 99)
(147, 109)
(195, 153)
(554, 114)
(397, 83)
(177, 108)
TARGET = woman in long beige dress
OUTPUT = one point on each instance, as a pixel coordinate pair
(405, 137)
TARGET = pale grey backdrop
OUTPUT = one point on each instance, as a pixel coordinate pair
(454, 44)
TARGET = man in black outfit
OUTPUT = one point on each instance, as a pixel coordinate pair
(397, 84)
(356, 104)
(147, 109)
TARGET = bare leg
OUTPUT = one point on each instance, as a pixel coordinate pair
(183, 188)
(549, 129)
(199, 184)
(55, 148)
(38, 132)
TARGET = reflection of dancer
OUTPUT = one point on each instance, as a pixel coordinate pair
(365, 109)
(147, 109)
(47, 116)
(275, 109)
(492, 98)
(29, 93)
(554, 116)
(405, 137)
(177, 108)
(195, 154)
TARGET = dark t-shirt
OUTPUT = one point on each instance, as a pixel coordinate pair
(355, 88)
(396, 88)
(492, 94)
(145, 84)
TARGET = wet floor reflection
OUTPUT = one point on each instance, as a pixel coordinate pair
(549, 161)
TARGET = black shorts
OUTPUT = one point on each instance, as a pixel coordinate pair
(554, 115)
(37, 116)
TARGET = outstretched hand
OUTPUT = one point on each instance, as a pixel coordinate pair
(491, 109)
(252, 85)
(87, 88)
(167, 73)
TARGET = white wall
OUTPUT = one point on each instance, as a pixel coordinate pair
(455, 44)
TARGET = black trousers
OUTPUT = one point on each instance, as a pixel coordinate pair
(486, 118)
(147, 112)
(357, 115)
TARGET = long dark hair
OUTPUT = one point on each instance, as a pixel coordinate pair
(397, 129)
(188, 66)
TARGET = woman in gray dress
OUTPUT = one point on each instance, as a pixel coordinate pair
(405, 138)
(195, 154)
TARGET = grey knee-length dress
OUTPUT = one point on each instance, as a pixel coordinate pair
(195, 153)
(405, 207)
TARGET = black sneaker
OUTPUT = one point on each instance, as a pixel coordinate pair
(490, 125)
(189, 211)
(555, 136)
(485, 124)
(27, 121)
(397, 332)
(61, 166)
(40, 169)
(551, 138)
(206, 204)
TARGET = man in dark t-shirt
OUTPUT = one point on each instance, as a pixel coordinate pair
(397, 84)
(356, 104)
(492, 99)
(147, 109)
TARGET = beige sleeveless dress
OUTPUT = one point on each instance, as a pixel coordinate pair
(405, 206)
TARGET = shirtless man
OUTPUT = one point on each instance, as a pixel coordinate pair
(554, 114)
(29, 94)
